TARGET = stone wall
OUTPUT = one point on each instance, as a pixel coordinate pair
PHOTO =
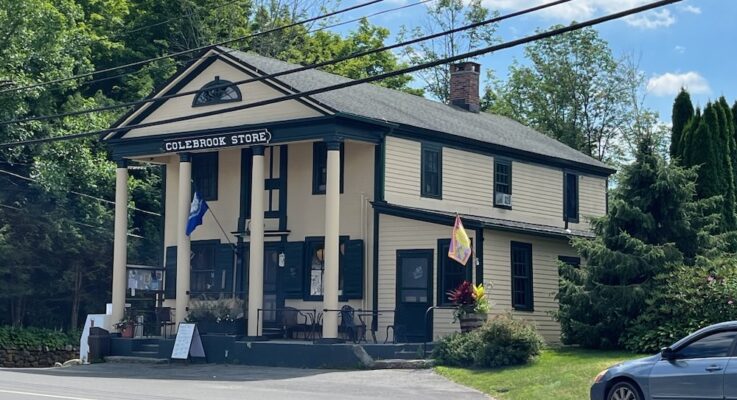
(17, 358)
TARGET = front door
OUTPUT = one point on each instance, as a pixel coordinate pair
(414, 295)
(273, 301)
(696, 371)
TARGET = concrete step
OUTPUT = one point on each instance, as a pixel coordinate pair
(135, 360)
(403, 364)
(145, 354)
(408, 355)
(150, 347)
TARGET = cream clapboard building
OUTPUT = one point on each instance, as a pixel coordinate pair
(348, 197)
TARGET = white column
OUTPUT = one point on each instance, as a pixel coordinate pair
(183, 245)
(256, 260)
(332, 232)
(120, 246)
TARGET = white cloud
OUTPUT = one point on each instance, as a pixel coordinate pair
(669, 84)
(652, 19)
(584, 9)
(679, 49)
(691, 9)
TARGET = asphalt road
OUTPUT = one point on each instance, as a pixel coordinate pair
(220, 382)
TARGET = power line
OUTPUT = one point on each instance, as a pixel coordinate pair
(144, 27)
(80, 194)
(301, 68)
(185, 62)
(196, 49)
(471, 54)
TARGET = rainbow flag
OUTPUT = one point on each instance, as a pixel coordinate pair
(460, 244)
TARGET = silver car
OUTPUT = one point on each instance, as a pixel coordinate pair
(701, 366)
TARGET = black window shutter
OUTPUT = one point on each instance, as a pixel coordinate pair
(170, 269)
(224, 266)
(293, 272)
(353, 270)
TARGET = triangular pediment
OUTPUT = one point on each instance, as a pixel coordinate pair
(212, 65)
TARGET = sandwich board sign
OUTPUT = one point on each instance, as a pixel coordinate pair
(188, 343)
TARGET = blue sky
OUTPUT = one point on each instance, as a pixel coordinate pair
(689, 44)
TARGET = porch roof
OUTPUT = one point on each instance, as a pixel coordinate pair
(477, 221)
(388, 105)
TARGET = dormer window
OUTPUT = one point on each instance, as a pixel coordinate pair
(216, 92)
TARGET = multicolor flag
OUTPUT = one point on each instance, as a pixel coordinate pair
(197, 210)
(460, 244)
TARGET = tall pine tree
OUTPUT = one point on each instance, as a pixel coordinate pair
(702, 152)
(652, 224)
(682, 112)
(724, 151)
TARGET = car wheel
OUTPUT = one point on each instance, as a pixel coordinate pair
(623, 391)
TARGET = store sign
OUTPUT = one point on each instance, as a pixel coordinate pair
(248, 138)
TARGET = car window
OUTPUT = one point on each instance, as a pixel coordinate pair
(716, 345)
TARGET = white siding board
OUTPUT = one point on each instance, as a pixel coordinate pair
(497, 272)
(407, 234)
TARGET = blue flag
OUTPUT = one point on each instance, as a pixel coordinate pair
(196, 211)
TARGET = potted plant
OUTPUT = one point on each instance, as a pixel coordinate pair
(471, 303)
(221, 316)
(126, 326)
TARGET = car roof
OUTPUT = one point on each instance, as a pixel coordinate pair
(722, 326)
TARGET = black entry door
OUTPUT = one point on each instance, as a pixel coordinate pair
(273, 300)
(414, 294)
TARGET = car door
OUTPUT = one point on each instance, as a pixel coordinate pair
(696, 371)
(730, 378)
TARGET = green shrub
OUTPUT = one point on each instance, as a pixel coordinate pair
(500, 342)
(685, 300)
(35, 338)
(457, 349)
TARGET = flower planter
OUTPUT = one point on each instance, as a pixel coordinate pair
(127, 330)
(471, 321)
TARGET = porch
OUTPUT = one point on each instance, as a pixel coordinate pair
(231, 349)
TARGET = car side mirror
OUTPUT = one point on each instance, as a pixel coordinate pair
(668, 353)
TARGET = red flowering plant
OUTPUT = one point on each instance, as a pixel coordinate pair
(468, 299)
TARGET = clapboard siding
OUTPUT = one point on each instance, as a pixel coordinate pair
(252, 92)
(468, 186)
(537, 192)
(467, 178)
(592, 192)
(405, 234)
(497, 272)
(402, 167)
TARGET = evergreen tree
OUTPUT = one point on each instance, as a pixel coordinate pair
(687, 138)
(682, 112)
(724, 151)
(701, 152)
(653, 223)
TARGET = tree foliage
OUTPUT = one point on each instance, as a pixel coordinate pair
(682, 112)
(56, 211)
(441, 16)
(653, 224)
(574, 89)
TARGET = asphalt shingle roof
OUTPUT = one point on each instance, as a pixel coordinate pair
(376, 102)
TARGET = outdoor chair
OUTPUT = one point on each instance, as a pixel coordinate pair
(354, 332)
(165, 321)
(291, 322)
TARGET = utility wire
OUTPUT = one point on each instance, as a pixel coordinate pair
(347, 84)
(196, 49)
(298, 69)
(185, 62)
(80, 194)
(144, 27)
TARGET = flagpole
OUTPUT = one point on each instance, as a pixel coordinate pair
(235, 250)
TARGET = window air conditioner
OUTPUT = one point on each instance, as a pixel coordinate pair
(503, 199)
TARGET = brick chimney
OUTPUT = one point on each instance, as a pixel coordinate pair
(464, 85)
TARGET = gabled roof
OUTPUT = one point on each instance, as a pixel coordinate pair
(383, 104)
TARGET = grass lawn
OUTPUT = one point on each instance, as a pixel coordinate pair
(559, 374)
